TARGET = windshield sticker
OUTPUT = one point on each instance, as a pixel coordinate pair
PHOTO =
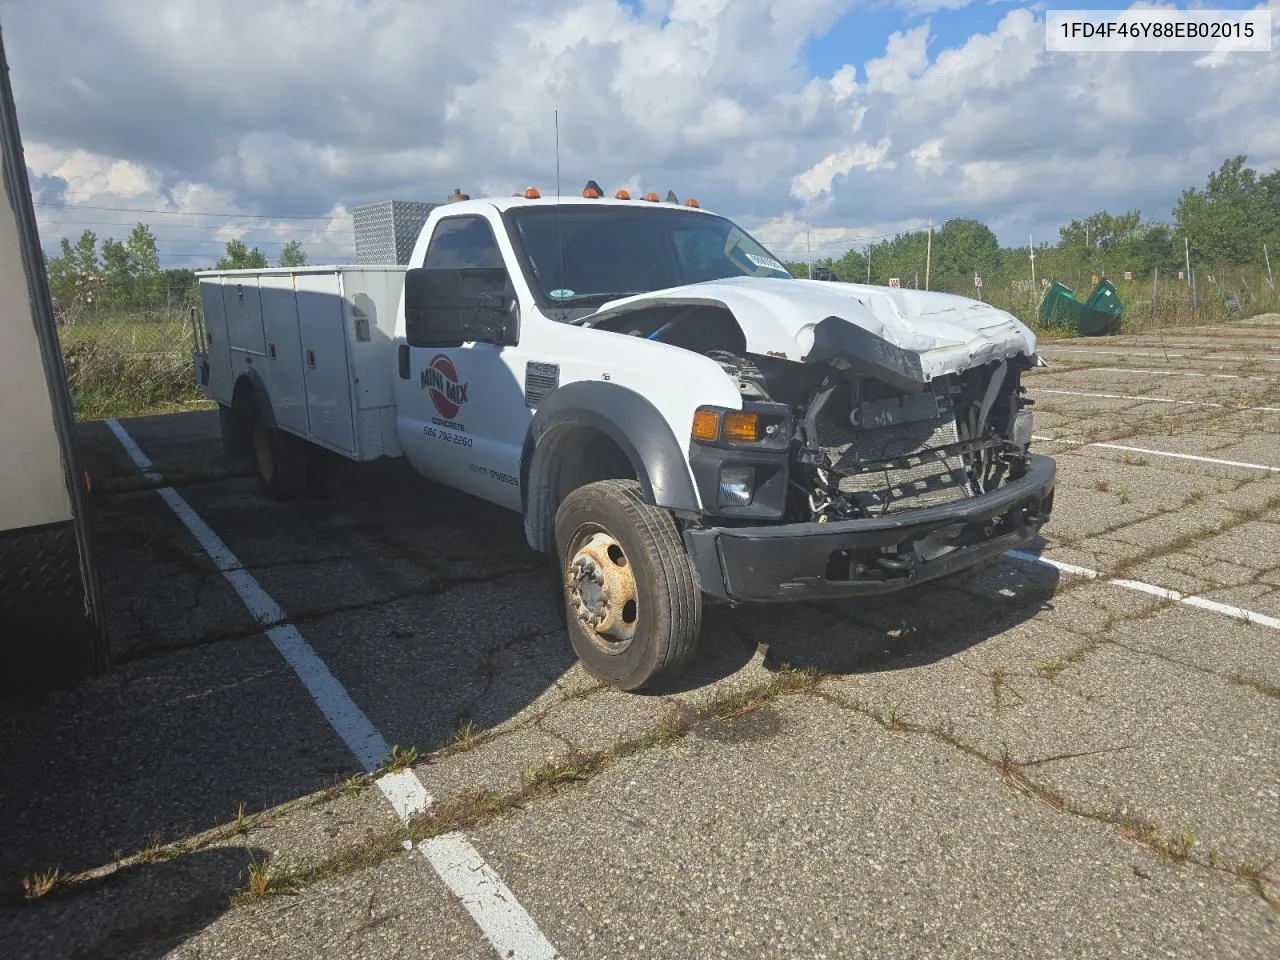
(760, 261)
(561, 294)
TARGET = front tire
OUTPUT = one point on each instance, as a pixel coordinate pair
(632, 606)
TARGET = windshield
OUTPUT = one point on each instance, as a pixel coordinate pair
(580, 255)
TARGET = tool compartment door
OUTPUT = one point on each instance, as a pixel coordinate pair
(325, 364)
(217, 349)
(284, 352)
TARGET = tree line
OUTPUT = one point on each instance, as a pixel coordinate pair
(126, 276)
(1233, 222)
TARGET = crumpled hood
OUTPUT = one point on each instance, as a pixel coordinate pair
(949, 333)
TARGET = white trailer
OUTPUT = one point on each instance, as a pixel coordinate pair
(50, 625)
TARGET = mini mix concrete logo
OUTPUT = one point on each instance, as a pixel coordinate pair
(440, 378)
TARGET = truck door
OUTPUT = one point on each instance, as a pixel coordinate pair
(462, 412)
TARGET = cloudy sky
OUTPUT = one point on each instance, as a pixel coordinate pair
(810, 122)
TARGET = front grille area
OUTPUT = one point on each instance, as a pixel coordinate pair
(939, 479)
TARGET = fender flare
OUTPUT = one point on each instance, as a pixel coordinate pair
(630, 421)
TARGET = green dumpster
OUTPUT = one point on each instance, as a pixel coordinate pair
(1103, 310)
(1098, 315)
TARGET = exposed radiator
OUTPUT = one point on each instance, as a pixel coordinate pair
(940, 479)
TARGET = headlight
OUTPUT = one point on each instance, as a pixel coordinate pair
(736, 485)
(1022, 428)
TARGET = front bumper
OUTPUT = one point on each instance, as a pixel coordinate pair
(852, 558)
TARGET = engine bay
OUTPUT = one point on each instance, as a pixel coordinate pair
(861, 446)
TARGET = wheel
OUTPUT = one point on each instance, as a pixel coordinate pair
(280, 460)
(237, 441)
(632, 607)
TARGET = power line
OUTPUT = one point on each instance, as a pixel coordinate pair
(197, 213)
(75, 222)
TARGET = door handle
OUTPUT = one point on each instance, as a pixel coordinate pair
(311, 359)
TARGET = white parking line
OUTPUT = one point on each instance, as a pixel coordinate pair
(1161, 356)
(1238, 613)
(491, 904)
(402, 788)
(1160, 453)
(1168, 373)
(1124, 396)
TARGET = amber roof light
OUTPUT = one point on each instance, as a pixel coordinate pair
(531, 193)
(592, 190)
(651, 197)
(622, 195)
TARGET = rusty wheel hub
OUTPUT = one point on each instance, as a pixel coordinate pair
(602, 591)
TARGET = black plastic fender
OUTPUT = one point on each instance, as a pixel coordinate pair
(627, 418)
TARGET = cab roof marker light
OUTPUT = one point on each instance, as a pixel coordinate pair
(592, 190)
(651, 197)
(622, 195)
(531, 193)
(691, 203)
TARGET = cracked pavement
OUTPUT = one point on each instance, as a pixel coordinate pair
(1012, 763)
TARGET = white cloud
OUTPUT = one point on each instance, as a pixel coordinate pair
(251, 106)
(820, 178)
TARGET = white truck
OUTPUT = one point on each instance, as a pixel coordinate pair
(671, 412)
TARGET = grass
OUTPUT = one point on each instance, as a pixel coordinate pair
(37, 885)
(127, 365)
(1048, 668)
(400, 758)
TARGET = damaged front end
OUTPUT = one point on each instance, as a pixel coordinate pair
(878, 485)
(856, 465)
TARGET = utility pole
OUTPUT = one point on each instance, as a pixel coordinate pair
(928, 254)
(1155, 279)
(868, 263)
(1267, 257)
(1031, 245)
(1186, 249)
(808, 247)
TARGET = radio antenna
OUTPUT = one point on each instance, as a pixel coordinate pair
(559, 230)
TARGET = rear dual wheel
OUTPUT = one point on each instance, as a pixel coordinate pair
(280, 459)
(632, 605)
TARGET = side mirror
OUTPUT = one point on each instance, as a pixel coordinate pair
(447, 308)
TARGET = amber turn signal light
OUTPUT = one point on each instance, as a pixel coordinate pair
(743, 427)
(706, 425)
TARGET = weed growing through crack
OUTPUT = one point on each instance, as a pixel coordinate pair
(400, 758)
(37, 885)
(997, 686)
(895, 717)
(1102, 485)
(1048, 668)
(1124, 495)
(259, 878)
(1130, 460)
(466, 736)
(1263, 687)
(1195, 496)
(354, 784)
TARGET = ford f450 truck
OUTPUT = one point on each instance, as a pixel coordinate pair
(671, 412)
